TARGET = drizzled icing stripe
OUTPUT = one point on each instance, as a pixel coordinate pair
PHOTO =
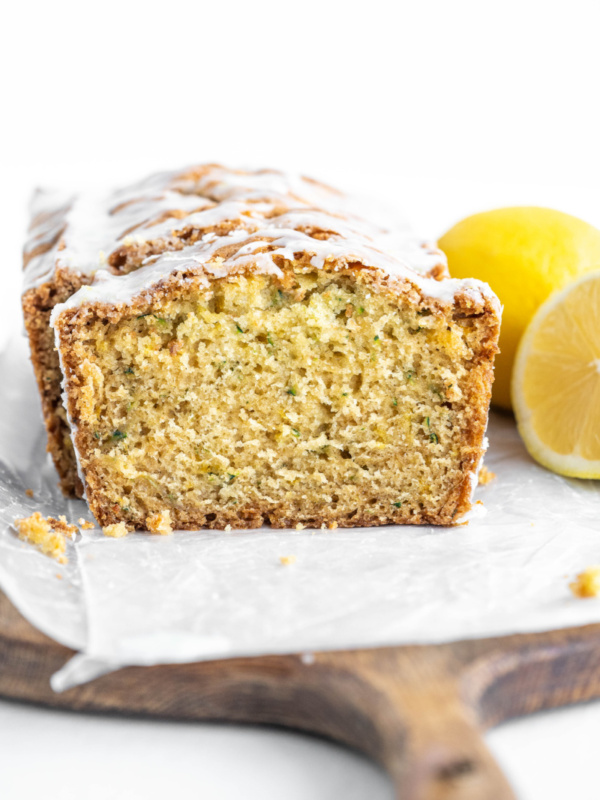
(267, 215)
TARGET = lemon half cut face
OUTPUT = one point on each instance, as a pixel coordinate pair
(556, 381)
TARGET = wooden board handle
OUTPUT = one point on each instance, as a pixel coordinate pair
(420, 728)
(440, 753)
(451, 765)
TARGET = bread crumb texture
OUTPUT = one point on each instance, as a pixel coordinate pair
(287, 561)
(321, 399)
(587, 583)
(40, 532)
(85, 524)
(116, 530)
(160, 523)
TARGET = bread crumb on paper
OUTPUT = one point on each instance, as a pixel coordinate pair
(62, 526)
(29, 492)
(587, 583)
(116, 531)
(40, 532)
(160, 523)
(85, 524)
(485, 476)
(286, 561)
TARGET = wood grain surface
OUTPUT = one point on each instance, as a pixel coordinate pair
(419, 711)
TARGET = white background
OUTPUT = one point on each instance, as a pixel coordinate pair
(442, 108)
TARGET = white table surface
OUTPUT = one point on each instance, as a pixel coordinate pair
(56, 754)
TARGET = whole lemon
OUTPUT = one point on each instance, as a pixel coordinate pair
(524, 253)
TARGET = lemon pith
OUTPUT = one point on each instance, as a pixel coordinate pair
(556, 381)
(525, 254)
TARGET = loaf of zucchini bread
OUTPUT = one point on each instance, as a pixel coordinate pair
(240, 348)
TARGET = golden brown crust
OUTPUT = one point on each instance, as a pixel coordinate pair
(38, 304)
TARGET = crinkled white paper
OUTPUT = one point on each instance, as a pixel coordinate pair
(200, 595)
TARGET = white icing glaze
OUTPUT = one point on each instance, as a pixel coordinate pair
(476, 510)
(272, 214)
(72, 426)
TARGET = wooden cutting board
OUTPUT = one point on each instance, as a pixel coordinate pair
(419, 711)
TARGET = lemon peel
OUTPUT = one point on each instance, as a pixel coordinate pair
(525, 254)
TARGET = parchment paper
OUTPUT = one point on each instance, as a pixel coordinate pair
(201, 595)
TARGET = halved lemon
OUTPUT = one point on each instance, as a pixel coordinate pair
(556, 381)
